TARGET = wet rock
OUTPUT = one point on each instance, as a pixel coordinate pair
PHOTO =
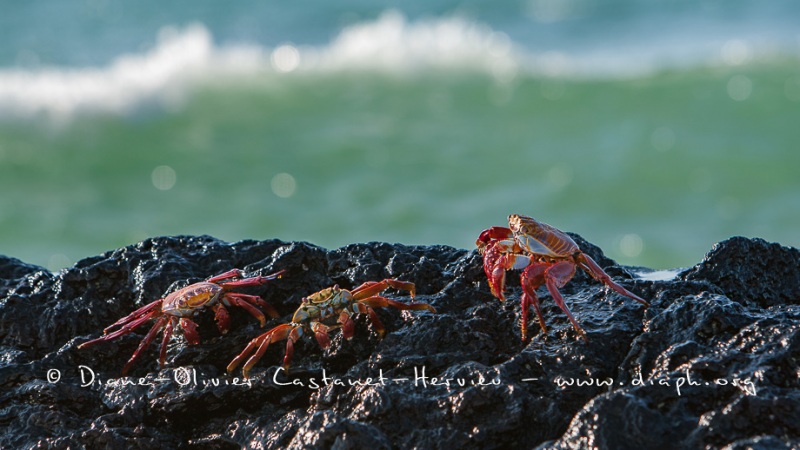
(713, 362)
(752, 271)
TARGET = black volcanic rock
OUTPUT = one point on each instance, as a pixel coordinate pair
(713, 363)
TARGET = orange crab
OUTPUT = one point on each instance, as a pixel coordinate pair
(546, 255)
(330, 303)
(181, 305)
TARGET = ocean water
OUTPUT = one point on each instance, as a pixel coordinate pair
(653, 129)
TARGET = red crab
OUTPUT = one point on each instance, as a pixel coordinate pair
(330, 303)
(546, 255)
(181, 305)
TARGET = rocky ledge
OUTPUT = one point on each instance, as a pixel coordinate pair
(712, 363)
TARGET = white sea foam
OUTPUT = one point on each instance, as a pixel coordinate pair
(60, 92)
(186, 56)
(390, 43)
(394, 44)
(659, 275)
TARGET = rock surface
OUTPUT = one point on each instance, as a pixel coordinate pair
(713, 362)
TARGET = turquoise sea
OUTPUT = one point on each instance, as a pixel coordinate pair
(653, 129)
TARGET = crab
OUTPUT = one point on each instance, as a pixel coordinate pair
(179, 306)
(333, 305)
(547, 256)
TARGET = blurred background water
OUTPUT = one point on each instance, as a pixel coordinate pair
(653, 129)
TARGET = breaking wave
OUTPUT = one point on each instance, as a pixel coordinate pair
(391, 44)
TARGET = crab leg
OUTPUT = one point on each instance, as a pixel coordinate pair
(249, 303)
(134, 315)
(244, 301)
(587, 263)
(235, 300)
(556, 276)
(252, 345)
(261, 343)
(253, 281)
(294, 335)
(370, 303)
(145, 342)
(162, 355)
(370, 288)
(383, 302)
(126, 328)
(531, 278)
(373, 317)
(233, 273)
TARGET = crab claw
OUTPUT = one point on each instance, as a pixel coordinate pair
(321, 334)
(497, 259)
(492, 234)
